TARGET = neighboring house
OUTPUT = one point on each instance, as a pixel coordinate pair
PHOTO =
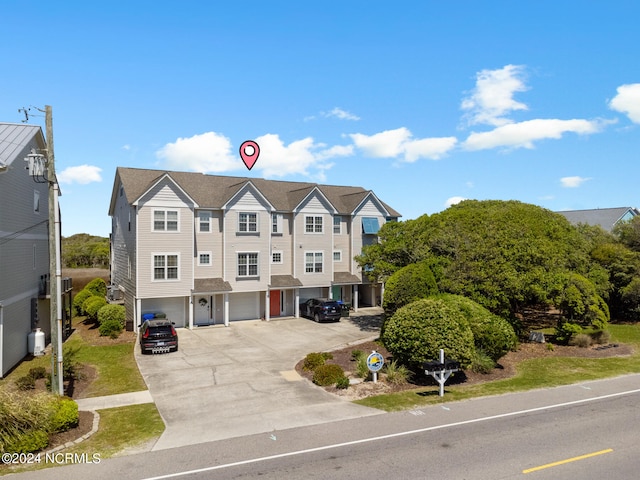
(607, 218)
(24, 247)
(207, 249)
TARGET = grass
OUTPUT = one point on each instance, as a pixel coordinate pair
(535, 373)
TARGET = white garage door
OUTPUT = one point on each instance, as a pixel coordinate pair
(244, 306)
(307, 293)
(174, 308)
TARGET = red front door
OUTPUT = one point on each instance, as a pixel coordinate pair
(274, 302)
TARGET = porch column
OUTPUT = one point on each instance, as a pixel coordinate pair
(296, 303)
(190, 312)
(355, 298)
(381, 293)
(267, 305)
(137, 312)
(226, 310)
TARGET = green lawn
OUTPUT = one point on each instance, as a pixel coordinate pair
(535, 373)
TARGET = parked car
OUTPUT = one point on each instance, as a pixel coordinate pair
(321, 309)
(158, 336)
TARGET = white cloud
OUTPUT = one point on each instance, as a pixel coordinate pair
(337, 112)
(523, 134)
(207, 152)
(126, 147)
(453, 201)
(212, 152)
(82, 174)
(492, 98)
(627, 101)
(398, 143)
(573, 182)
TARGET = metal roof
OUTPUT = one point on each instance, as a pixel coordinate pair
(604, 217)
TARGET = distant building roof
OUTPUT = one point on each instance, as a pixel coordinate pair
(606, 218)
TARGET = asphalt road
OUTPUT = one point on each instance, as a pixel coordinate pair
(533, 435)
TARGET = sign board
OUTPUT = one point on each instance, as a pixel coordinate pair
(375, 361)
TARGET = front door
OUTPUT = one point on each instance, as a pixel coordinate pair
(204, 310)
(274, 303)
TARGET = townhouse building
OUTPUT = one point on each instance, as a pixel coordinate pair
(208, 249)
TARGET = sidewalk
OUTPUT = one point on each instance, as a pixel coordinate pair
(111, 401)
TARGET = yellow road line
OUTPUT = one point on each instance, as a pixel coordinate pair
(568, 460)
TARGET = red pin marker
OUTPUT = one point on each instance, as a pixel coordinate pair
(249, 152)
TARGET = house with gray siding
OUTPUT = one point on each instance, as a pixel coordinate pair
(24, 247)
(607, 218)
(210, 249)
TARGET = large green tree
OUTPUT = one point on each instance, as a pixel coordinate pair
(505, 255)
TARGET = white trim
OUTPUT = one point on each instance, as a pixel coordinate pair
(166, 267)
(257, 254)
(314, 253)
(168, 177)
(200, 264)
(247, 231)
(339, 225)
(165, 220)
(296, 209)
(208, 213)
(314, 224)
(339, 252)
(276, 252)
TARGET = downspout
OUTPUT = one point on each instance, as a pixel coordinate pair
(1, 335)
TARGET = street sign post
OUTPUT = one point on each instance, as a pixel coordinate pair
(375, 362)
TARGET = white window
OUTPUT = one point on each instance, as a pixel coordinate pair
(165, 220)
(248, 265)
(204, 219)
(276, 223)
(36, 201)
(204, 258)
(247, 222)
(312, 224)
(313, 262)
(337, 224)
(337, 255)
(165, 266)
(276, 256)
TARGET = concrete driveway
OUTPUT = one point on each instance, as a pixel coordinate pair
(232, 381)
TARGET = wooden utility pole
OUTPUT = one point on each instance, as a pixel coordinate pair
(55, 273)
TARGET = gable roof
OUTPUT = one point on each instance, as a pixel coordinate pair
(14, 138)
(214, 191)
(604, 217)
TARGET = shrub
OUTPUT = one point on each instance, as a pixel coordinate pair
(112, 312)
(581, 340)
(327, 374)
(314, 360)
(28, 442)
(92, 305)
(356, 354)
(97, 286)
(397, 374)
(38, 372)
(78, 301)
(26, 382)
(491, 334)
(482, 363)
(410, 283)
(417, 332)
(342, 383)
(362, 369)
(601, 337)
(111, 328)
(65, 416)
(566, 330)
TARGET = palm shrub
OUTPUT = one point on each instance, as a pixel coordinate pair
(417, 332)
(397, 374)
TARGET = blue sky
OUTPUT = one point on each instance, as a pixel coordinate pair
(423, 102)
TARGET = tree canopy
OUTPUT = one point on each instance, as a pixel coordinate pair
(85, 251)
(505, 255)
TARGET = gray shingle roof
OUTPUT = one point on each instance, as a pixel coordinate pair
(213, 191)
(604, 217)
(14, 137)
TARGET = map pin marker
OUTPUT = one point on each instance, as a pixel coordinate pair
(249, 152)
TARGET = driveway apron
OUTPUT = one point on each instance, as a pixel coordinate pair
(239, 380)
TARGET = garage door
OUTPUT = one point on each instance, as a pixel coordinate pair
(174, 308)
(307, 293)
(244, 306)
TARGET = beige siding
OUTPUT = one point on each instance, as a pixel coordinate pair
(369, 208)
(342, 242)
(247, 242)
(209, 242)
(165, 196)
(314, 242)
(284, 243)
